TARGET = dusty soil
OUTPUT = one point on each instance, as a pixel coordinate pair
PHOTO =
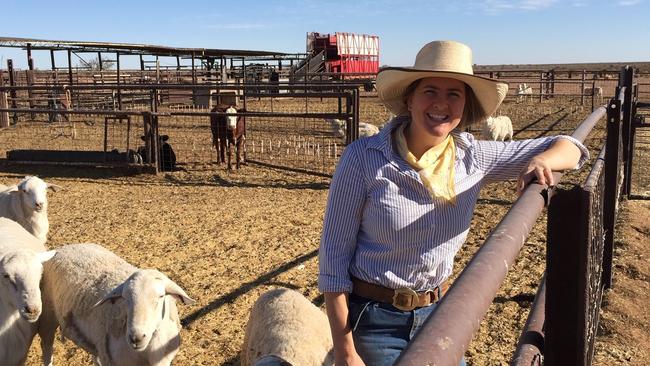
(226, 237)
(624, 334)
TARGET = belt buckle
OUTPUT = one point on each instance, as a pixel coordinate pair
(408, 294)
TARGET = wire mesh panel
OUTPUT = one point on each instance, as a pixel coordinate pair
(311, 144)
(81, 138)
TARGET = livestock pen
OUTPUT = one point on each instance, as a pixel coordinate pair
(226, 237)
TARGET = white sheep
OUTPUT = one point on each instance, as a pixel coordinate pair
(21, 267)
(523, 91)
(286, 328)
(26, 203)
(339, 128)
(597, 92)
(497, 128)
(117, 312)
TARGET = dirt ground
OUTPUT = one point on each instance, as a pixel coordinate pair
(226, 237)
(235, 235)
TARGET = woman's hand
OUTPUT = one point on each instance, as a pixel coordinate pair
(539, 168)
(351, 359)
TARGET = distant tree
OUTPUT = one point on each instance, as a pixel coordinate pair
(93, 64)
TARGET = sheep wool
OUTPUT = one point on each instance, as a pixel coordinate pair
(80, 294)
(21, 258)
(497, 128)
(284, 325)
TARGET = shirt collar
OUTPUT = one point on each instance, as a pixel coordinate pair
(384, 143)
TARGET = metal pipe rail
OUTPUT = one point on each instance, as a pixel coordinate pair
(183, 113)
(447, 332)
(530, 346)
(180, 86)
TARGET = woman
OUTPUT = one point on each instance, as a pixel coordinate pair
(401, 202)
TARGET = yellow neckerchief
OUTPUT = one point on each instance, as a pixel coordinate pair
(435, 167)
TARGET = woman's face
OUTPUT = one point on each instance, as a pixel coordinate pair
(436, 108)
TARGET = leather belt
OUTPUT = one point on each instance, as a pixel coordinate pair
(404, 299)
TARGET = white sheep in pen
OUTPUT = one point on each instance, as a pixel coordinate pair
(26, 203)
(285, 328)
(123, 315)
(497, 128)
(523, 91)
(596, 92)
(21, 267)
(339, 128)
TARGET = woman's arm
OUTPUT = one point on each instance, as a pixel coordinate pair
(563, 154)
(337, 312)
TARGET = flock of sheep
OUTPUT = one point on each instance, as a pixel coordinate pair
(120, 314)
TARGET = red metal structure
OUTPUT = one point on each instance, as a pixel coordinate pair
(346, 53)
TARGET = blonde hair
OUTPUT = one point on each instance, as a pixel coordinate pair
(473, 111)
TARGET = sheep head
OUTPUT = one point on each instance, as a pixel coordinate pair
(144, 294)
(20, 277)
(33, 193)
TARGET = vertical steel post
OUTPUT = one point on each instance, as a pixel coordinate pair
(119, 90)
(30, 79)
(12, 93)
(582, 88)
(628, 146)
(4, 116)
(564, 272)
(612, 169)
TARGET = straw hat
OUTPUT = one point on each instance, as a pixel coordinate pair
(439, 59)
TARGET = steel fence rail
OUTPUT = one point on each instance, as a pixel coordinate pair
(530, 346)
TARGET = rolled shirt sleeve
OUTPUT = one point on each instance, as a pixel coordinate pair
(504, 160)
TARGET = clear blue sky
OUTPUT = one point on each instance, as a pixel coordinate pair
(499, 31)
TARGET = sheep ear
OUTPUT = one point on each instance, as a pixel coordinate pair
(12, 189)
(111, 296)
(46, 256)
(171, 288)
(54, 187)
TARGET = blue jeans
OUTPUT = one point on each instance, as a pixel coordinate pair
(381, 331)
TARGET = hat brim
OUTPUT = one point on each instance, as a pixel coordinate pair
(393, 81)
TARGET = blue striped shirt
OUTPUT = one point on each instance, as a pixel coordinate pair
(382, 225)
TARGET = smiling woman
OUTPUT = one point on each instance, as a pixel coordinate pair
(401, 202)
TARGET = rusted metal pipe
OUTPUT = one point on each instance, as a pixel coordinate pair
(447, 332)
(531, 342)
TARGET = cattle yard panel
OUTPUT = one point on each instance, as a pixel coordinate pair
(580, 233)
(90, 138)
(288, 131)
(639, 163)
(574, 270)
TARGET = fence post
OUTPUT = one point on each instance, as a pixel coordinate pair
(582, 88)
(4, 116)
(12, 93)
(563, 265)
(612, 171)
(541, 85)
(628, 146)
